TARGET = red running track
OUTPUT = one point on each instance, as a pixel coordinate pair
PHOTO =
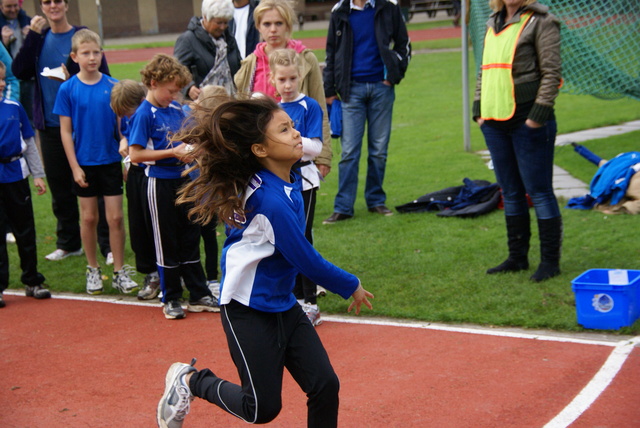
(134, 55)
(72, 363)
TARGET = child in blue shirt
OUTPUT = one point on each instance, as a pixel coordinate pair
(177, 238)
(306, 114)
(245, 152)
(89, 133)
(19, 157)
(126, 97)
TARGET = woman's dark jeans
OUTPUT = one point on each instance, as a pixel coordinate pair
(523, 164)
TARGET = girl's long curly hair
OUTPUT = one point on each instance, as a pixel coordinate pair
(222, 138)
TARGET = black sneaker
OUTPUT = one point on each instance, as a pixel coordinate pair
(36, 291)
(2, 303)
(205, 304)
(173, 310)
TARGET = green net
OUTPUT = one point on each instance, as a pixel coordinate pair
(600, 44)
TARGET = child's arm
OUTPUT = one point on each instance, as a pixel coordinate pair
(311, 147)
(32, 157)
(66, 133)
(139, 154)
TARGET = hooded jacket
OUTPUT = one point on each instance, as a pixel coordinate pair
(537, 65)
(391, 36)
(196, 51)
(311, 85)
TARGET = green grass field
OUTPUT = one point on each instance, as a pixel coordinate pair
(428, 268)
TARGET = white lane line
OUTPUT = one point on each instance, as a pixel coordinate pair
(596, 386)
(488, 331)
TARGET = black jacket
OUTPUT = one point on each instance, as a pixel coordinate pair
(196, 51)
(391, 36)
(253, 36)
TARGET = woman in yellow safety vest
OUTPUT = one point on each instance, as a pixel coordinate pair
(513, 104)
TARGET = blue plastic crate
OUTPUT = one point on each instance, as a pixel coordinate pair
(605, 306)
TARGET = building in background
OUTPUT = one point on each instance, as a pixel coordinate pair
(123, 18)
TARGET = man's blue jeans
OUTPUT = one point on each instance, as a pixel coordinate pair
(370, 103)
(523, 163)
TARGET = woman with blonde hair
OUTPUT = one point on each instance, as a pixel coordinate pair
(274, 20)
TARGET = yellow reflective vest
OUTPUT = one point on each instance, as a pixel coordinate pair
(497, 97)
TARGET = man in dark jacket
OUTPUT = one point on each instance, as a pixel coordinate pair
(243, 28)
(207, 49)
(368, 51)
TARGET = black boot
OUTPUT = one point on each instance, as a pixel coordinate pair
(550, 231)
(518, 235)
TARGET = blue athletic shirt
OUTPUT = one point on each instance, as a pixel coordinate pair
(306, 114)
(95, 128)
(14, 130)
(260, 261)
(149, 128)
(55, 51)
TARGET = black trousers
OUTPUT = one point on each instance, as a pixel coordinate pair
(262, 344)
(140, 230)
(305, 288)
(177, 241)
(210, 241)
(63, 201)
(16, 210)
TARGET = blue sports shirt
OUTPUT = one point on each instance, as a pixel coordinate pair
(14, 130)
(95, 126)
(260, 260)
(150, 127)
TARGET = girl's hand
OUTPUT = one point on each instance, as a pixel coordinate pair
(360, 296)
(40, 186)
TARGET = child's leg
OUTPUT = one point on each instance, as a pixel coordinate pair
(309, 200)
(308, 362)
(115, 220)
(21, 220)
(4, 256)
(88, 228)
(256, 342)
(103, 229)
(165, 216)
(140, 230)
(189, 247)
(210, 241)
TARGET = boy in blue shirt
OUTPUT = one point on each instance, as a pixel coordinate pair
(18, 158)
(88, 128)
(177, 238)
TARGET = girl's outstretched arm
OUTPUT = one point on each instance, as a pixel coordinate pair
(360, 296)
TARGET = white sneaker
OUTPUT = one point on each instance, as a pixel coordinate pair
(214, 287)
(94, 280)
(62, 254)
(150, 287)
(176, 400)
(313, 313)
(122, 280)
(109, 260)
(11, 239)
